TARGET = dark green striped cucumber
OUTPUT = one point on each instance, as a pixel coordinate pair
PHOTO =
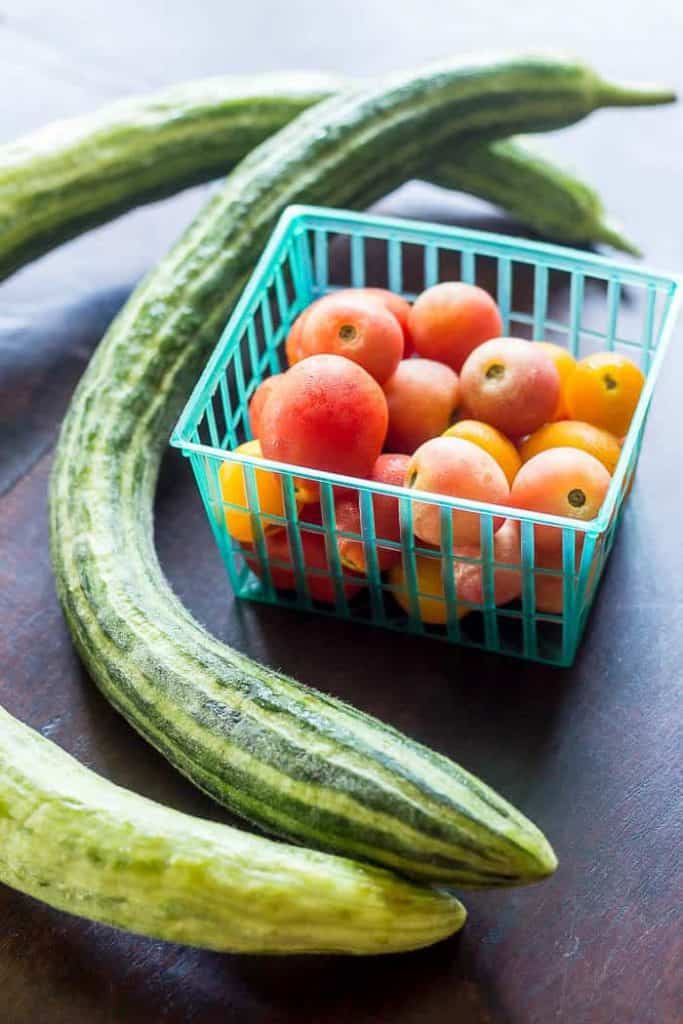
(515, 174)
(78, 173)
(82, 844)
(75, 174)
(292, 760)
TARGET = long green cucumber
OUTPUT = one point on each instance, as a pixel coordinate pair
(515, 174)
(83, 845)
(290, 759)
(75, 174)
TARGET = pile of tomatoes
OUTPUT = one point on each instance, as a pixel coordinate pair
(429, 396)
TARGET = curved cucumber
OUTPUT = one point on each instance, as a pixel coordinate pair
(75, 174)
(514, 174)
(292, 760)
(83, 845)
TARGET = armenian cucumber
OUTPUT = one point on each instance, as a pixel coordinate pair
(75, 174)
(294, 761)
(515, 174)
(83, 845)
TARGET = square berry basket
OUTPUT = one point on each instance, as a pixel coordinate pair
(585, 302)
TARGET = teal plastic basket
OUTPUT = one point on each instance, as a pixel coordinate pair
(582, 301)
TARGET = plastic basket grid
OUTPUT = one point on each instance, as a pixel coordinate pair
(541, 291)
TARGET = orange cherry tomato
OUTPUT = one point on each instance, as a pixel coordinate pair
(234, 493)
(604, 390)
(492, 441)
(431, 597)
(574, 434)
(565, 365)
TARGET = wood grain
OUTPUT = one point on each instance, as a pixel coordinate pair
(592, 754)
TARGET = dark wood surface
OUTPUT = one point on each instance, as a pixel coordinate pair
(592, 754)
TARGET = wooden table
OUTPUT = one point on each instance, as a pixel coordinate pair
(592, 754)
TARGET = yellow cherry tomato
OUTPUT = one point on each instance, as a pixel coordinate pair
(574, 434)
(565, 364)
(431, 598)
(234, 493)
(604, 390)
(492, 441)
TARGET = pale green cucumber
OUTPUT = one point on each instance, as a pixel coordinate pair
(292, 760)
(75, 174)
(83, 845)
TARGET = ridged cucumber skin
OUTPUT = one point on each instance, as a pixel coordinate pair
(75, 174)
(83, 845)
(514, 174)
(292, 760)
